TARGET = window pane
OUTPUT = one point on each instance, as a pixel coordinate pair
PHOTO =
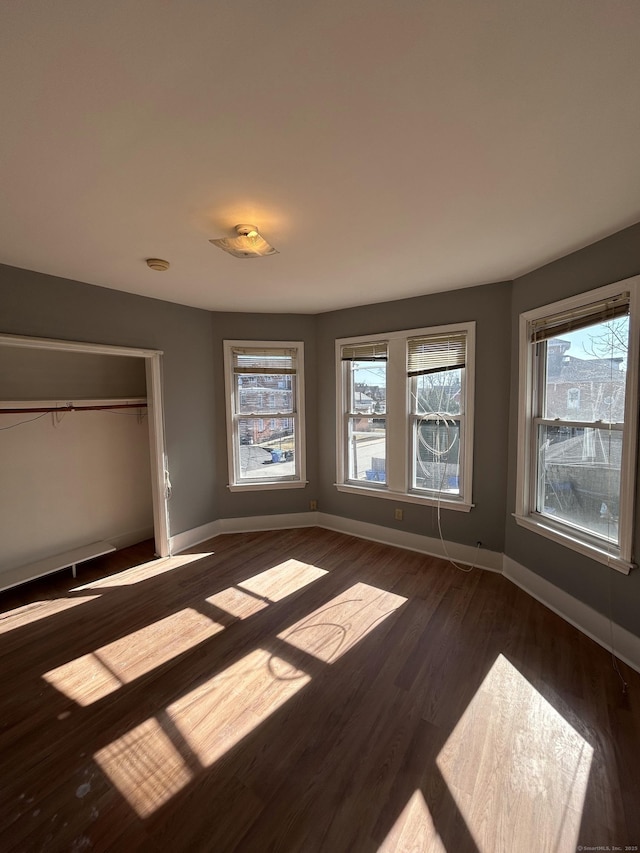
(437, 456)
(438, 393)
(265, 393)
(586, 373)
(267, 448)
(368, 387)
(367, 449)
(579, 477)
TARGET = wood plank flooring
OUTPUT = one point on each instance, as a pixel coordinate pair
(306, 691)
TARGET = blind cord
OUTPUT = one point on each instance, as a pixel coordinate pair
(439, 454)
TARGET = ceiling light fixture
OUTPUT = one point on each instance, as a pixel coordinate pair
(248, 244)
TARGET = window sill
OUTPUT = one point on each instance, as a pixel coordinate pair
(269, 484)
(562, 538)
(403, 497)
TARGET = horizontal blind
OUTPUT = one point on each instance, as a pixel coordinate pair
(545, 328)
(372, 351)
(435, 353)
(275, 361)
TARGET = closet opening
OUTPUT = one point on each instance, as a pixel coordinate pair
(111, 398)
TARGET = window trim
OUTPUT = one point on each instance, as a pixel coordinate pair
(233, 447)
(399, 420)
(620, 557)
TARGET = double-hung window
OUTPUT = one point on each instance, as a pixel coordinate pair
(365, 416)
(264, 384)
(405, 425)
(437, 384)
(578, 422)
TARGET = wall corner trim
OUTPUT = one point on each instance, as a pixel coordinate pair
(626, 646)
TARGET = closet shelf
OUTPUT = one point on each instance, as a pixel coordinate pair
(31, 571)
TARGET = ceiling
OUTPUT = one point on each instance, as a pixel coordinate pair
(385, 149)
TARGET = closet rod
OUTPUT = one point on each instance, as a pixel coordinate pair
(74, 408)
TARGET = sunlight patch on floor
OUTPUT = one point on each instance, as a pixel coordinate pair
(413, 831)
(144, 571)
(282, 580)
(339, 625)
(93, 676)
(254, 594)
(84, 680)
(516, 768)
(221, 712)
(237, 602)
(145, 767)
(29, 613)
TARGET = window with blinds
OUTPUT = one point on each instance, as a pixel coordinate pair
(404, 425)
(437, 379)
(264, 399)
(577, 422)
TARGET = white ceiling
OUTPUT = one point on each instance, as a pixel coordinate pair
(385, 149)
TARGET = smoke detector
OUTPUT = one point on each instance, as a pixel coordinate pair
(158, 264)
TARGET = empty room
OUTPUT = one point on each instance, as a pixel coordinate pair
(319, 394)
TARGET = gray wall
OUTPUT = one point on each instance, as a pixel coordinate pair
(45, 306)
(265, 327)
(610, 260)
(489, 306)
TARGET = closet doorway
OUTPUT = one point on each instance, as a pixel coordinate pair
(149, 373)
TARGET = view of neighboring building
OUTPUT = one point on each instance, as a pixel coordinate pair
(581, 464)
(584, 389)
(265, 394)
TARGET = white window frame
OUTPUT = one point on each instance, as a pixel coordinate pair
(236, 483)
(399, 422)
(617, 557)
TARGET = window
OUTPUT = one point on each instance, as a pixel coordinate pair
(405, 428)
(265, 406)
(577, 425)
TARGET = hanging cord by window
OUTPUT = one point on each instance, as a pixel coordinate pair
(439, 454)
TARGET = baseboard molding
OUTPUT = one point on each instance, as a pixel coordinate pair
(181, 541)
(489, 560)
(286, 521)
(250, 524)
(596, 626)
(481, 558)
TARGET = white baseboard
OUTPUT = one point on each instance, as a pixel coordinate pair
(250, 524)
(286, 521)
(189, 538)
(481, 558)
(490, 560)
(626, 645)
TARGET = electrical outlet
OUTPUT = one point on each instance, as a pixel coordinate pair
(399, 514)
(313, 505)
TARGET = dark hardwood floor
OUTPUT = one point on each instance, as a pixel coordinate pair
(307, 691)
